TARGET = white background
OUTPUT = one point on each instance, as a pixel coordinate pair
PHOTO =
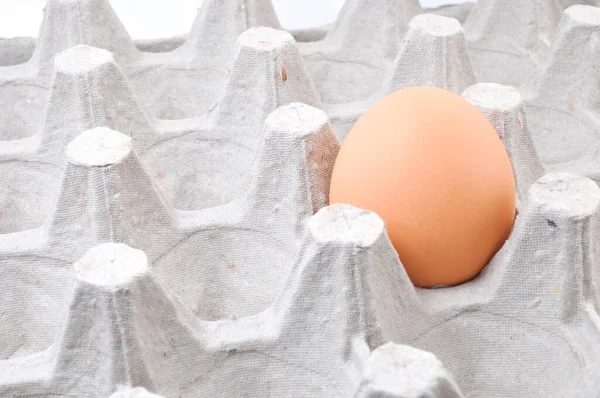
(162, 18)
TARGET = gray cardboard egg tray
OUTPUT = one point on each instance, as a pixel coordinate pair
(164, 226)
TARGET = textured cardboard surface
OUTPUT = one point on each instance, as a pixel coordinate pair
(164, 220)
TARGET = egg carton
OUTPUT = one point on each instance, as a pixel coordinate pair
(187, 181)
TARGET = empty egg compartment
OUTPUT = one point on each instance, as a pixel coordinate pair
(188, 186)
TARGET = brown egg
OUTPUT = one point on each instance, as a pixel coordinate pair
(433, 168)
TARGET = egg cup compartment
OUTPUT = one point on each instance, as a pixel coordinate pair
(193, 198)
(130, 329)
(439, 38)
(88, 89)
(353, 302)
(34, 299)
(537, 296)
(177, 84)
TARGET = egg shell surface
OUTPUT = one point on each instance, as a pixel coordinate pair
(435, 170)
